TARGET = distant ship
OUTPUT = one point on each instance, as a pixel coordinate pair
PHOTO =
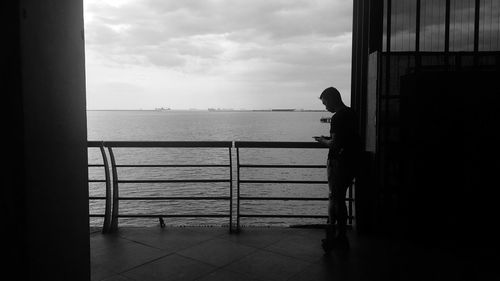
(222, 109)
(325, 119)
(162, 108)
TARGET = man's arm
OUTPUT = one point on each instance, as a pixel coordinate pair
(335, 142)
(327, 141)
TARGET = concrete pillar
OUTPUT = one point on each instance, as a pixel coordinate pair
(46, 106)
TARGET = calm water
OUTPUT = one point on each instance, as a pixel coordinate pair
(210, 126)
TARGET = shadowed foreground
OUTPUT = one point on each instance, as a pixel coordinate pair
(211, 253)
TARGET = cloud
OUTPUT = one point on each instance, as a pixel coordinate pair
(207, 29)
(260, 41)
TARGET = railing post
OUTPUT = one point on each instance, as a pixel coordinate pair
(107, 209)
(114, 216)
(230, 191)
(237, 189)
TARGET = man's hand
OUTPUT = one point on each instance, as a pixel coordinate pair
(322, 139)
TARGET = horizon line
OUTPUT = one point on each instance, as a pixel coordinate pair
(205, 109)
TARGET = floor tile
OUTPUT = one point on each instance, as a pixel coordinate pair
(266, 265)
(269, 254)
(257, 237)
(316, 272)
(217, 252)
(211, 230)
(313, 233)
(225, 275)
(167, 239)
(121, 255)
(100, 242)
(172, 267)
(298, 246)
(118, 278)
(99, 271)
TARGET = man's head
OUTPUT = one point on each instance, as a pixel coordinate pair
(331, 99)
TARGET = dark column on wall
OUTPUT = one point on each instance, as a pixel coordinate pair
(46, 199)
(477, 6)
(355, 51)
(366, 38)
(447, 27)
(359, 56)
(376, 25)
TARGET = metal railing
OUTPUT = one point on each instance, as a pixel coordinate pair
(107, 180)
(294, 145)
(114, 214)
(112, 181)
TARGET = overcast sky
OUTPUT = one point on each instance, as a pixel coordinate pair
(241, 54)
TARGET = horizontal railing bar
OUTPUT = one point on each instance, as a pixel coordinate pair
(281, 166)
(97, 198)
(97, 180)
(289, 198)
(96, 165)
(94, 143)
(169, 181)
(288, 216)
(164, 144)
(277, 144)
(96, 215)
(171, 216)
(175, 198)
(314, 225)
(242, 144)
(167, 166)
(285, 198)
(283, 216)
(278, 181)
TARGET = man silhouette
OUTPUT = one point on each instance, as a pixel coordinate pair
(343, 154)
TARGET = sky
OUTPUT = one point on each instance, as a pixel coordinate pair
(239, 54)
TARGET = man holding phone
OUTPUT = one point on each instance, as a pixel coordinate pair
(343, 155)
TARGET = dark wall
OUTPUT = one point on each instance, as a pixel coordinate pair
(46, 198)
(450, 161)
(12, 202)
(366, 39)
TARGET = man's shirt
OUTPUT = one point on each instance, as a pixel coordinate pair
(344, 132)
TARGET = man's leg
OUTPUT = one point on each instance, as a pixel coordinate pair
(342, 179)
(327, 243)
(340, 208)
(332, 216)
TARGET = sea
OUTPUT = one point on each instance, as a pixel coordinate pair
(197, 125)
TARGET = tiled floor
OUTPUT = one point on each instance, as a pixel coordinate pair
(211, 253)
